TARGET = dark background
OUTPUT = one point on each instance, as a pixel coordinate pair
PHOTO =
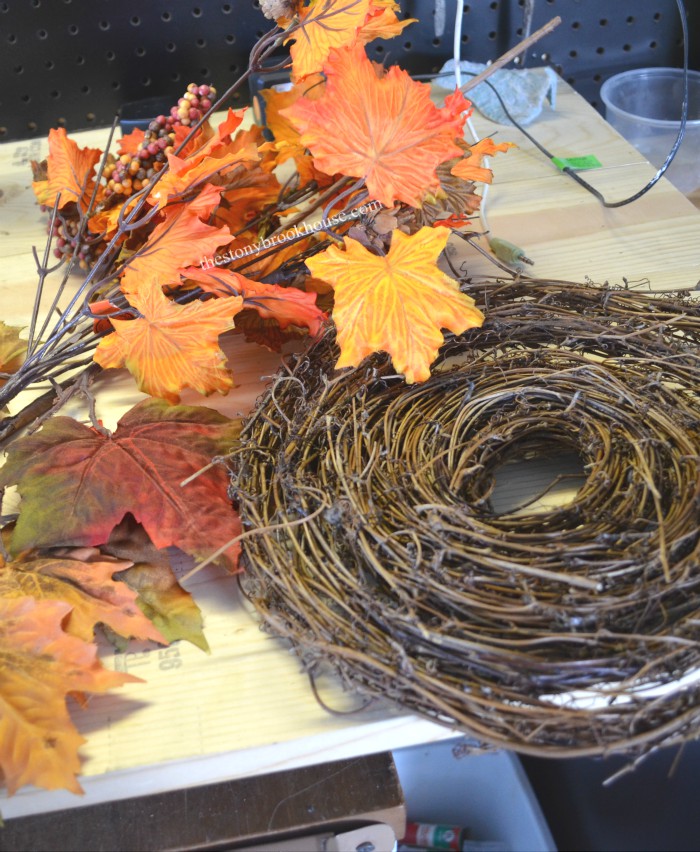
(73, 63)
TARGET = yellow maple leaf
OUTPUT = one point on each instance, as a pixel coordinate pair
(386, 130)
(324, 25)
(41, 665)
(171, 347)
(397, 303)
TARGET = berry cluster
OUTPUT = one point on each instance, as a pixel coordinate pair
(129, 173)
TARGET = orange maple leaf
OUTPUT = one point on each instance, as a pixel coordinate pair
(280, 125)
(470, 168)
(207, 141)
(87, 586)
(248, 191)
(171, 347)
(179, 240)
(264, 262)
(131, 143)
(168, 606)
(186, 177)
(41, 665)
(397, 303)
(287, 138)
(382, 22)
(287, 305)
(70, 172)
(205, 157)
(322, 26)
(386, 130)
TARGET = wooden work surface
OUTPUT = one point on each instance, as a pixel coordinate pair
(247, 709)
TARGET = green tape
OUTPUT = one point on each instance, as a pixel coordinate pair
(578, 163)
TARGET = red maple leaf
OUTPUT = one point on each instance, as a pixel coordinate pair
(77, 483)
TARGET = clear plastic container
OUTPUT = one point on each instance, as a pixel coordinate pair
(644, 106)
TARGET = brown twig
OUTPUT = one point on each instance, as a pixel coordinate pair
(511, 54)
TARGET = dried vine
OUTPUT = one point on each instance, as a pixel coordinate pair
(559, 632)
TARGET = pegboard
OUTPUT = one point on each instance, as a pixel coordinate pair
(74, 63)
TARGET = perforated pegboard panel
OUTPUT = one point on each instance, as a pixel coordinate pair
(73, 63)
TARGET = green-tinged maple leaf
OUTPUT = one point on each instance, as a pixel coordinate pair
(160, 596)
(41, 665)
(87, 586)
(163, 600)
(12, 350)
(77, 484)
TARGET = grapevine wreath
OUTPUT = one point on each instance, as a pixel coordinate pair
(569, 630)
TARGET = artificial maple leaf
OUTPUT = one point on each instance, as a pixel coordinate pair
(183, 178)
(381, 21)
(87, 586)
(249, 190)
(277, 100)
(41, 665)
(179, 240)
(70, 172)
(470, 168)
(171, 347)
(102, 309)
(106, 221)
(265, 262)
(286, 137)
(207, 142)
(12, 350)
(132, 142)
(324, 25)
(219, 156)
(286, 305)
(96, 479)
(266, 332)
(396, 303)
(385, 130)
(160, 597)
(452, 203)
(163, 600)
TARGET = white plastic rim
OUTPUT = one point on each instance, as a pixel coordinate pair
(638, 76)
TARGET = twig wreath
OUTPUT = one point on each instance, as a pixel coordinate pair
(568, 631)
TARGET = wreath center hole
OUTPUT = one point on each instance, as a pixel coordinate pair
(536, 481)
